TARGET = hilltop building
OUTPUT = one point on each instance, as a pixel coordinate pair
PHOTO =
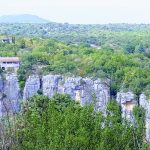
(8, 40)
(9, 63)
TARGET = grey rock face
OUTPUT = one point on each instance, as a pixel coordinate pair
(145, 103)
(84, 90)
(1, 94)
(1, 87)
(31, 87)
(127, 102)
(50, 84)
(9, 94)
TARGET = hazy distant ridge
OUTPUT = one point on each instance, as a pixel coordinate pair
(22, 19)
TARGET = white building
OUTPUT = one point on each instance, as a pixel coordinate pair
(8, 40)
(9, 63)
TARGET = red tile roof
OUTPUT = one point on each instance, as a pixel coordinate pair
(9, 59)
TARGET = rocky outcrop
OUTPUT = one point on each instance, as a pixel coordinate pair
(31, 87)
(1, 94)
(145, 103)
(127, 102)
(9, 94)
(84, 90)
(50, 85)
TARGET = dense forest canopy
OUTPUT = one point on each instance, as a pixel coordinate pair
(96, 34)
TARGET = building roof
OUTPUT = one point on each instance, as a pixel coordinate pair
(9, 59)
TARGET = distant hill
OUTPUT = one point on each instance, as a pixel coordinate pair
(22, 19)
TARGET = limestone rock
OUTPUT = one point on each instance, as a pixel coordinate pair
(9, 94)
(50, 84)
(145, 103)
(127, 102)
(84, 90)
(31, 87)
(1, 87)
(1, 94)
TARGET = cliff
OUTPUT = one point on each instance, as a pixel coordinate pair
(9, 94)
(127, 102)
(145, 103)
(83, 90)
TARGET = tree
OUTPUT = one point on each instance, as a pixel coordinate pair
(22, 44)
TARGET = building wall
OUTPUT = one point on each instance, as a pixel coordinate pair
(9, 65)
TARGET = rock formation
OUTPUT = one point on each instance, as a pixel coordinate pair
(127, 102)
(31, 87)
(83, 90)
(9, 94)
(145, 103)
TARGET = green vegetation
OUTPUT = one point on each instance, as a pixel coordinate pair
(119, 53)
(61, 123)
(122, 55)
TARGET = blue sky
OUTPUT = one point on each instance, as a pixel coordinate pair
(81, 11)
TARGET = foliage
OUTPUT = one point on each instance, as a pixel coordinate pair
(117, 52)
(139, 115)
(124, 69)
(61, 123)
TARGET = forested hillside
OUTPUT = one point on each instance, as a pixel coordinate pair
(111, 35)
(119, 53)
(127, 66)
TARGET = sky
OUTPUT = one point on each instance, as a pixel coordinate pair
(81, 11)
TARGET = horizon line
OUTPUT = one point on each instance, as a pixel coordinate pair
(67, 22)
